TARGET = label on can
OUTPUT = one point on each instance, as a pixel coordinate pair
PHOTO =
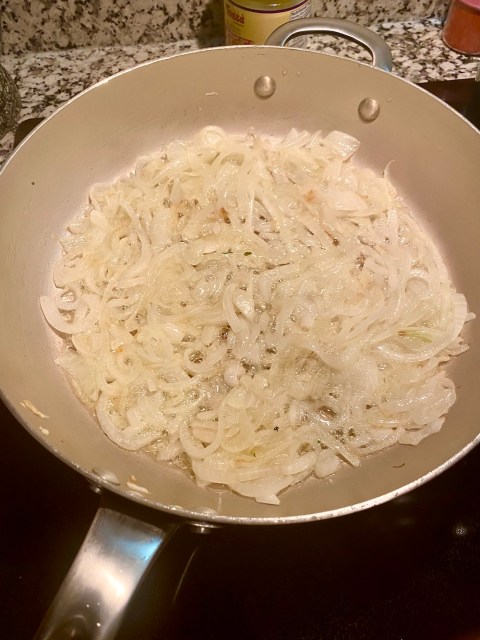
(250, 26)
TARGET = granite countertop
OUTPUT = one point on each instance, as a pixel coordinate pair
(48, 79)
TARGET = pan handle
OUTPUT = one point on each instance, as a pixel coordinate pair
(115, 555)
(381, 54)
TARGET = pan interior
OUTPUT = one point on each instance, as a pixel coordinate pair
(99, 135)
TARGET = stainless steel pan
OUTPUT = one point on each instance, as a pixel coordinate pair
(98, 136)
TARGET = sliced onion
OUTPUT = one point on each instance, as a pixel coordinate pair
(257, 310)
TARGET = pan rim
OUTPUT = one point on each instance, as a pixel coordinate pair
(199, 518)
(208, 50)
(211, 517)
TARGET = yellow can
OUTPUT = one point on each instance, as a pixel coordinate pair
(252, 21)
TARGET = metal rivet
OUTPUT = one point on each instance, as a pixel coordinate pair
(264, 87)
(202, 527)
(368, 109)
(95, 488)
(106, 475)
(207, 510)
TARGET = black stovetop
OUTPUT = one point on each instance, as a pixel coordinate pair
(406, 570)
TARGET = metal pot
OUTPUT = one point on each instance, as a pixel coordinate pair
(96, 137)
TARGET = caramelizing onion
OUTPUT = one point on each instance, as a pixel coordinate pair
(256, 310)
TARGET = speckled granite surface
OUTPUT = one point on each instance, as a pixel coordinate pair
(42, 25)
(48, 79)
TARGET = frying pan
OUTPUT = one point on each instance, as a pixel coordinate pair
(97, 137)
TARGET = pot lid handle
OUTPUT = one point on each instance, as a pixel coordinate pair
(380, 51)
